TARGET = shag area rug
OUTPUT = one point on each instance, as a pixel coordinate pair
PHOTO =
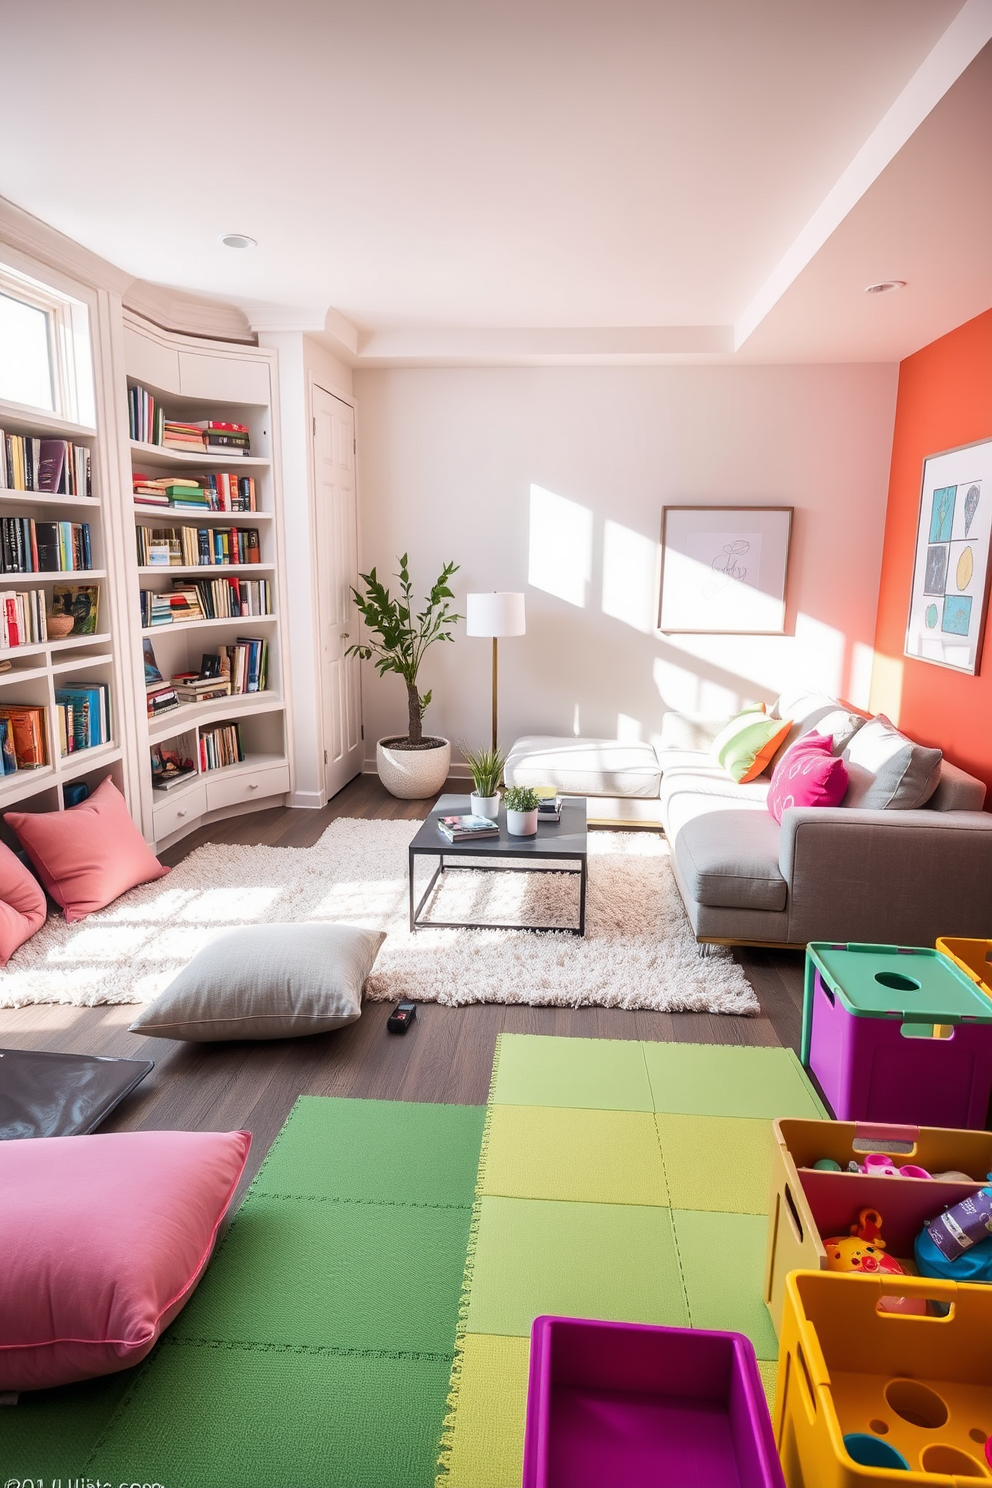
(638, 950)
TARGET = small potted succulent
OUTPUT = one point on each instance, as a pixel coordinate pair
(486, 766)
(521, 804)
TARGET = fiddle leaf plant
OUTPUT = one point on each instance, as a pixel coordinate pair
(397, 638)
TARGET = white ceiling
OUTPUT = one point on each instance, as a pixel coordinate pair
(567, 180)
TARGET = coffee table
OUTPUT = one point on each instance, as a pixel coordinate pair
(556, 843)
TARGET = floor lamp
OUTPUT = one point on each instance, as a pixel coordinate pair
(495, 615)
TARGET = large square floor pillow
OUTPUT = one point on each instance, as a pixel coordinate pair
(88, 856)
(103, 1240)
(266, 982)
(22, 904)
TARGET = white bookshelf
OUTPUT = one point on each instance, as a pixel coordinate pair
(37, 669)
(194, 380)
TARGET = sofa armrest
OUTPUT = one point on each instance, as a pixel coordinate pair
(898, 877)
(690, 731)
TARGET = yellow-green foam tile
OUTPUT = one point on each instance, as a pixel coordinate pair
(483, 1445)
(534, 1256)
(729, 1080)
(768, 1369)
(716, 1162)
(603, 1074)
(562, 1152)
(722, 1257)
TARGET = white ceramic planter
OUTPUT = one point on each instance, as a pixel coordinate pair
(484, 806)
(521, 823)
(413, 774)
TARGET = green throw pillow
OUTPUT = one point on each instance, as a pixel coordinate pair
(746, 744)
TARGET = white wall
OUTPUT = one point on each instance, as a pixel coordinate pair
(458, 463)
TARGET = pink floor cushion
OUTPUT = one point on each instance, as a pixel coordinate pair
(89, 855)
(22, 904)
(103, 1241)
(808, 774)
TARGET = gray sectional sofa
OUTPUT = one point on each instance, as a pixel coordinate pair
(861, 871)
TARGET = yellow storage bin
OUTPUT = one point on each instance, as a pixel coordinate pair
(974, 957)
(806, 1203)
(914, 1390)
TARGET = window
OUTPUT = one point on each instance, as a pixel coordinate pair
(45, 356)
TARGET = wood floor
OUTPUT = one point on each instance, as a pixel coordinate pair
(446, 1056)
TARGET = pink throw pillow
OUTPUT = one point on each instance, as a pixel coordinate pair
(89, 855)
(22, 904)
(103, 1240)
(808, 774)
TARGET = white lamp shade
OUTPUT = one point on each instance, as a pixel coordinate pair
(495, 615)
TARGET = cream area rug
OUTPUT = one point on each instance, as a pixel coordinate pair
(638, 951)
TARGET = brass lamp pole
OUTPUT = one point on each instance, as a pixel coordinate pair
(495, 615)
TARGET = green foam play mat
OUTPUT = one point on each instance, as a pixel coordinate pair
(317, 1350)
(621, 1180)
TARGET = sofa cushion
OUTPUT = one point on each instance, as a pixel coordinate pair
(729, 859)
(814, 710)
(23, 906)
(748, 742)
(807, 775)
(888, 771)
(584, 767)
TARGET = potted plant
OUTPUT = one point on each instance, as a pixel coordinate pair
(410, 765)
(521, 803)
(486, 766)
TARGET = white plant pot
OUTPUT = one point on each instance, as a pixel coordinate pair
(484, 805)
(413, 774)
(521, 823)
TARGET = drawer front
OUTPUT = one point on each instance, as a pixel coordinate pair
(273, 780)
(184, 810)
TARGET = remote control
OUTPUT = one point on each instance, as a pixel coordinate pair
(399, 1020)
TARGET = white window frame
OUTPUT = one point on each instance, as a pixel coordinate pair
(69, 347)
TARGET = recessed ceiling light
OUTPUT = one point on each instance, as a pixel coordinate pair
(884, 286)
(238, 240)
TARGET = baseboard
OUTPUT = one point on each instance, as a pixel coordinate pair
(307, 800)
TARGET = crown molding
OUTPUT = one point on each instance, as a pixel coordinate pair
(550, 346)
(46, 245)
(174, 310)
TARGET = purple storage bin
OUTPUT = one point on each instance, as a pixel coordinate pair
(645, 1407)
(859, 999)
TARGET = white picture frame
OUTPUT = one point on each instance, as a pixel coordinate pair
(950, 590)
(724, 569)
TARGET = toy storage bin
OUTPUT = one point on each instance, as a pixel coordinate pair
(974, 957)
(806, 1203)
(919, 1387)
(873, 1017)
(641, 1406)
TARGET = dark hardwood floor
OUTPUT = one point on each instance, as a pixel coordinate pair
(446, 1056)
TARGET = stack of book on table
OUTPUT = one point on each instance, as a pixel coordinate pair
(467, 828)
(549, 803)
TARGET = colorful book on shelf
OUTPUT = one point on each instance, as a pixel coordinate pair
(218, 426)
(153, 672)
(82, 602)
(8, 759)
(27, 727)
(467, 828)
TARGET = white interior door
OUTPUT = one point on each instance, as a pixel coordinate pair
(337, 570)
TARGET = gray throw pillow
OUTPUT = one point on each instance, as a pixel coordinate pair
(888, 772)
(266, 982)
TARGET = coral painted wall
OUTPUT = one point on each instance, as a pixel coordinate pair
(944, 400)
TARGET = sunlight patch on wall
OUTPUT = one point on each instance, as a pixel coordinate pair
(560, 554)
(628, 729)
(630, 577)
(820, 654)
(886, 686)
(859, 682)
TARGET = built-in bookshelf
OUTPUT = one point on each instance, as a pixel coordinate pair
(54, 549)
(205, 578)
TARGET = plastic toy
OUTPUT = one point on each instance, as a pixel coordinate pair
(880, 1165)
(963, 1225)
(864, 1253)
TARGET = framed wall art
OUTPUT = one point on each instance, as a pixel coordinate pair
(724, 569)
(950, 592)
